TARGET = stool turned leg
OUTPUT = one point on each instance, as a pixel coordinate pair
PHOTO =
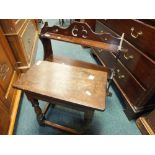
(47, 107)
(88, 117)
(38, 111)
(52, 105)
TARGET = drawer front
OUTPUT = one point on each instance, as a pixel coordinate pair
(6, 75)
(136, 62)
(28, 38)
(6, 70)
(139, 65)
(139, 34)
(132, 90)
(105, 57)
(100, 28)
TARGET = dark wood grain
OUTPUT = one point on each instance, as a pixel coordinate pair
(139, 65)
(79, 30)
(144, 42)
(77, 63)
(137, 87)
(133, 59)
(78, 33)
(90, 22)
(61, 127)
(66, 83)
(125, 80)
(86, 42)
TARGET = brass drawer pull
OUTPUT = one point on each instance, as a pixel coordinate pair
(119, 74)
(100, 50)
(135, 35)
(127, 56)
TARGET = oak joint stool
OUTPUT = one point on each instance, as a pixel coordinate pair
(71, 83)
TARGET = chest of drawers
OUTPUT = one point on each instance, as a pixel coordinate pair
(22, 35)
(135, 70)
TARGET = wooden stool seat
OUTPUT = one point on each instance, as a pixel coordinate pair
(76, 85)
(71, 86)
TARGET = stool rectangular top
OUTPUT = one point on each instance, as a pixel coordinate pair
(77, 85)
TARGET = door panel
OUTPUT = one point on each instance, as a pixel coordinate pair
(4, 120)
(6, 70)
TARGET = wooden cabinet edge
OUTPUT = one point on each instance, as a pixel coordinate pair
(17, 96)
(23, 25)
(16, 48)
(144, 126)
(35, 43)
(34, 50)
(15, 103)
(14, 111)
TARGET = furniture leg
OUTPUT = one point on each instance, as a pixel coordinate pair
(88, 116)
(53, 105)
(61, 22)
(47, 107)
(37, 109)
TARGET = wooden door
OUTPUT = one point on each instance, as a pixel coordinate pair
(7, 72)
(4, 119)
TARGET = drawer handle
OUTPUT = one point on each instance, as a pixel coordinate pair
(135, 35)
(119, 74)
(100, 50)
(127, 56)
